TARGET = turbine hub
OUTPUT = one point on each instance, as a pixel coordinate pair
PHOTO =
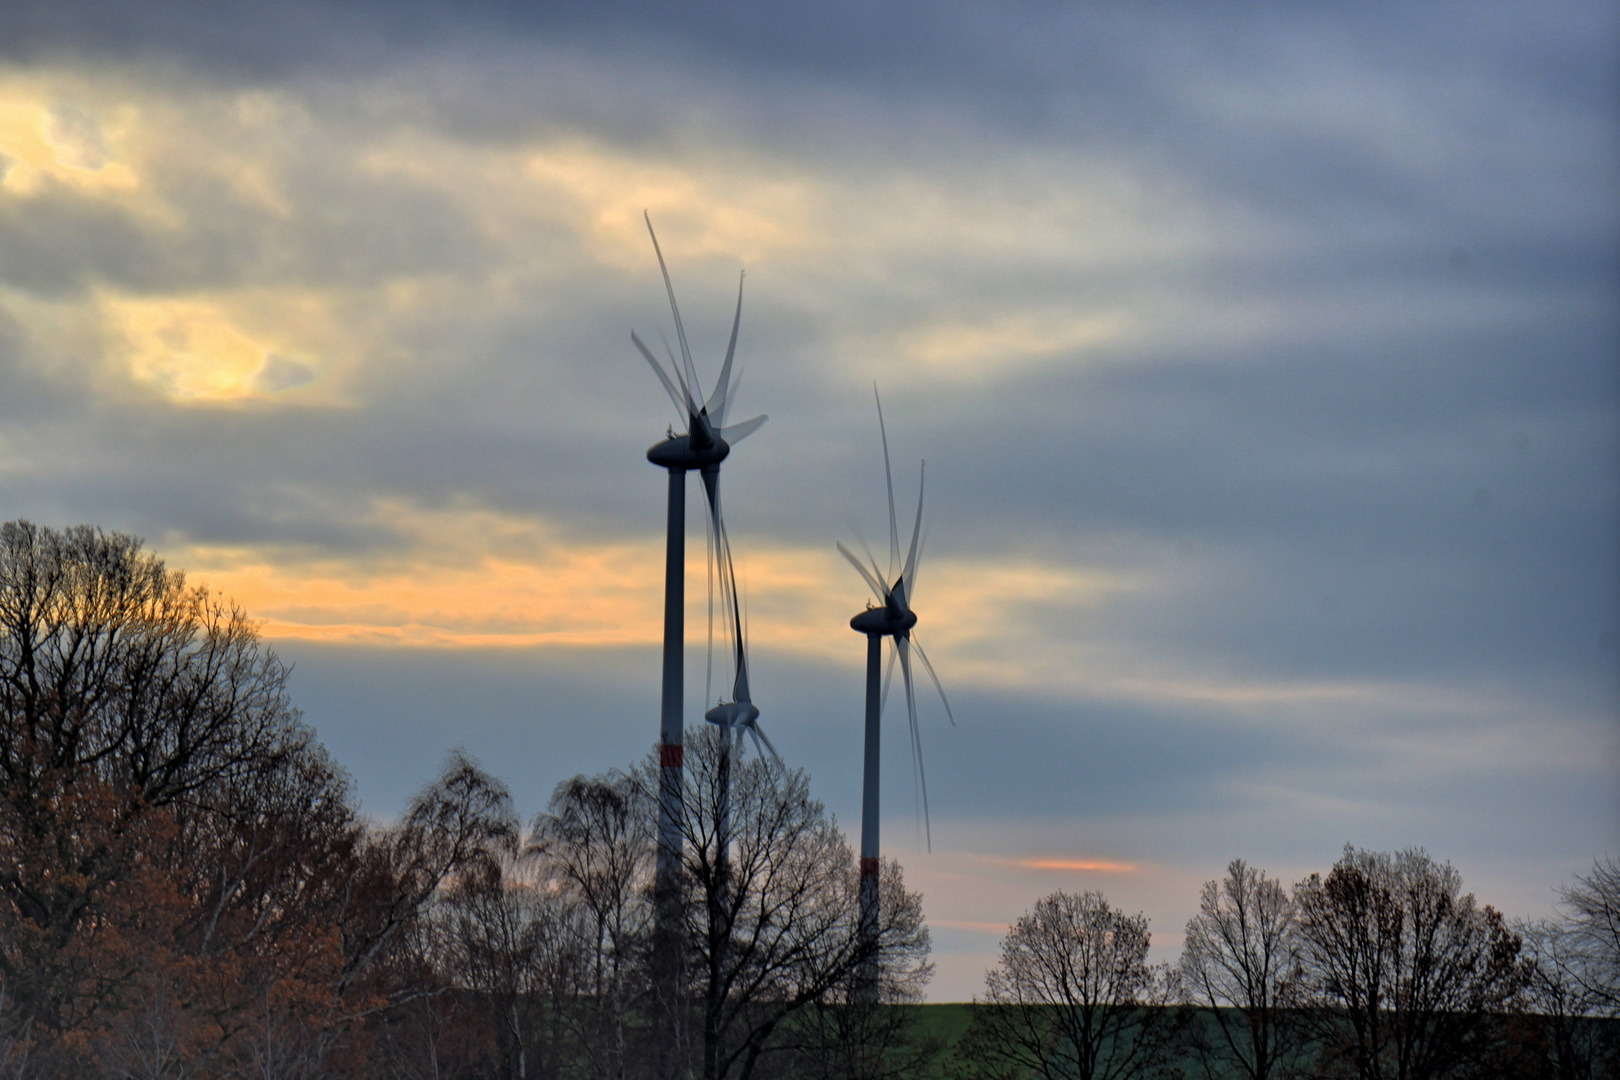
(679, 453)
(884, 621)
(733, 714)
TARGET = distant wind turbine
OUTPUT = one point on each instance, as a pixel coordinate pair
(893, 618)
(702, 446)
(738, 716)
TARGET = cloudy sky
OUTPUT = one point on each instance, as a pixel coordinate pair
(1263, 358)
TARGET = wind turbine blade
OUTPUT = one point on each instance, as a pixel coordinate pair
(866, 575)
(866, 548)
(761, 737)
(743, 693)
(736, 433)
(658, 369)
(916, 735)
(710, 560)
(736, 384)
(711, 490)
(714, 529)
(717, 403)
(674, 308)
(888, 478)
(930, 668)
(739, 686)
(675, 366)
(888, 677)
(916, 569)
(731, 599)
(916, 531)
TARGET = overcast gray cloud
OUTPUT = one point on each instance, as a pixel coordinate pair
(1263, 360)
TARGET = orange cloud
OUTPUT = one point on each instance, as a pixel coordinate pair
(609, 596)
(1105, 866)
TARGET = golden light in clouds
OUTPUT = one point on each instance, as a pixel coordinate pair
(1014, 339)
(732, 209)
(187, 349)
(471, 579)
(42, 142)
(467, 576)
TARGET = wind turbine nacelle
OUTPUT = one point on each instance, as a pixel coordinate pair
(883, 621)
(733, 714)
(679, 453)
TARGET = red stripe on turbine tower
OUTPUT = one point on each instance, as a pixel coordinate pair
(670, 757)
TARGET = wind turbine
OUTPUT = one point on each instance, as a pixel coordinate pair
(893, 618)
(735, 717)
(740, 715)
(702, 446)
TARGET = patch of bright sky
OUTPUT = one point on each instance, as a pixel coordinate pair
(44, 139)
(195, 348)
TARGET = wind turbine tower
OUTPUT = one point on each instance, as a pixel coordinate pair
(891, 617)
(702, 446)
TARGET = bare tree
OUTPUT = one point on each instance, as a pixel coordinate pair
(1406, 969)
(508, 952)
(1073, 997)
(1565, 1024)
(425, 1038)
(460, 822)
(150, 1042)
(772, 928)
(849, 1036)
(282, 1043)
(1576, 977)
(16, 1039)
(1591, 911)
(595, 844)
(1239, 963)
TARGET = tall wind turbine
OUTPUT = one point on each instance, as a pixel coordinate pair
(892, 618)
(702, 446)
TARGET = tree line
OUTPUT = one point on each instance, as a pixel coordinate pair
(188, 890)
(1383, 969)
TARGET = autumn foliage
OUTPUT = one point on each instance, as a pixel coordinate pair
(187, 890)
(185, 887)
